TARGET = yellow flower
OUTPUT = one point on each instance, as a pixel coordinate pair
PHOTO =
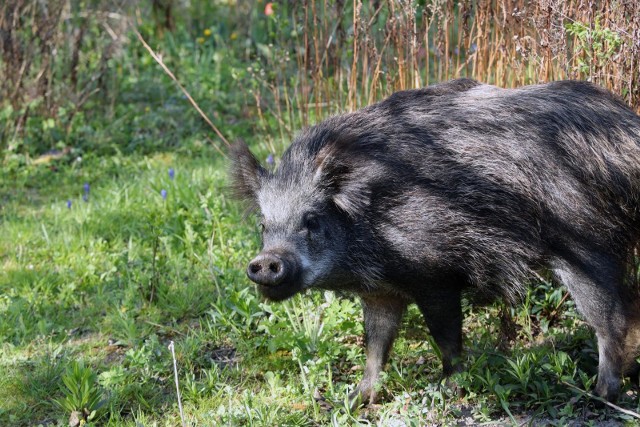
(233, 36)
(207, 32)
(200, 40)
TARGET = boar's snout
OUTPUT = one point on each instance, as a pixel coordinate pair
(267, 270)
(276, 274)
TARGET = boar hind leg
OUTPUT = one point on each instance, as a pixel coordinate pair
(632, 345)
(382, 317)
(442, 311)
(597, 286)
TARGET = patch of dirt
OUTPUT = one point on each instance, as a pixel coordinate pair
(224, 356)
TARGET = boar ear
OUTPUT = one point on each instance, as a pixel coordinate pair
(347, 184)
(246, 172)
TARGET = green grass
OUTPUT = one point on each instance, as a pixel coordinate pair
(109, 283)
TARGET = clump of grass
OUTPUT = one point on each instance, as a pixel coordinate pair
(83, 399)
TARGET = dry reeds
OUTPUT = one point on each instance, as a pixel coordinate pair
(49, 59)
(352, 52)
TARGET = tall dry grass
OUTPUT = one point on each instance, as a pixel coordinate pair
(320, 57)
(54, 57)
(350, 53)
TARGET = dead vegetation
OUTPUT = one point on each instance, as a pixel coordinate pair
(351, 53)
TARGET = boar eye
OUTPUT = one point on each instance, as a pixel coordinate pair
(311, 223)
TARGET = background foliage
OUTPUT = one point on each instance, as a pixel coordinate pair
(117, 237)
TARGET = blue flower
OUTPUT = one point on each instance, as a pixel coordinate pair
(85, 196)
(172, 173)
(69, 204)
(163, 193)
(270, 160)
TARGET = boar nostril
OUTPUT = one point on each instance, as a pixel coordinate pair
(274, 267)
(255, 268)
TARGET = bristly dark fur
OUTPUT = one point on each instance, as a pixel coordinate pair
(504, 177)
(462, 186)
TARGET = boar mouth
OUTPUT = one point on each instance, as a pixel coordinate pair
(280, 292)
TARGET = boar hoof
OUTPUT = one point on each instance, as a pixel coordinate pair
(364, 394)
(454, 388)
(608, 389)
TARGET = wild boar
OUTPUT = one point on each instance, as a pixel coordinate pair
(458, 188)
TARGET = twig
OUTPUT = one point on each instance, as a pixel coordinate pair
(213, 143)
(158, 59)
(175, 372)
(165, 327)
(554, 314)
(599, 399)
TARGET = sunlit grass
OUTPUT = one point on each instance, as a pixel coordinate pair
(110, 281)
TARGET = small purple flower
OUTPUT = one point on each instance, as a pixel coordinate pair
(172, 173)
(85, 196)
(270, 160)
(69, 204)
(163, 193)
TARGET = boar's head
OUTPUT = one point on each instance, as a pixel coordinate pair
(307, 209)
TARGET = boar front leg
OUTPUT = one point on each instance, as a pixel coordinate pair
(382, 317)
